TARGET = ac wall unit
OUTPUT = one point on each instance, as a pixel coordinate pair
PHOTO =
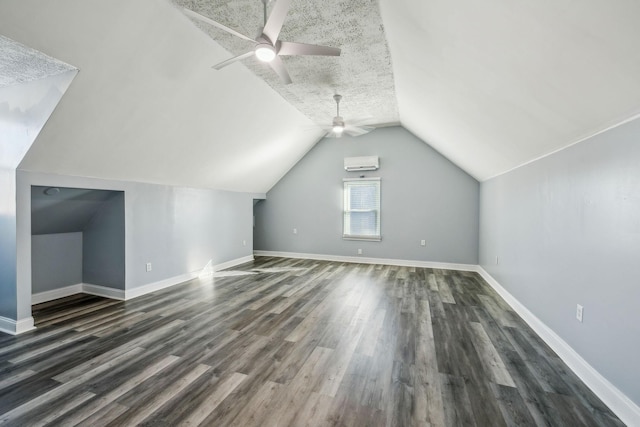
(367, 163)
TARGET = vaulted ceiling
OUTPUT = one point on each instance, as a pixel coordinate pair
(491, 85)
(362, 74)
(496, 84)
(146, 105)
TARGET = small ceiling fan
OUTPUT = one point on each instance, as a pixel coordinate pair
(339, 127)
(267, 47)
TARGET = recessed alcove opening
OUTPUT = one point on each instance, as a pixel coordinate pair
(77, 242)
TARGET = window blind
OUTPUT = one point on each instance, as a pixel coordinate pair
(362, 209)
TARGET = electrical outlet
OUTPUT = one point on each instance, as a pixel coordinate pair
(423, 243)
(497, 260)
(579, 310)
(295, 231)
(359, 251)
(244, 243)
(148, 267)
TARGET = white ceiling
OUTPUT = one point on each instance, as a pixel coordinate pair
(491, 85)
(496, 84)
(147, 107)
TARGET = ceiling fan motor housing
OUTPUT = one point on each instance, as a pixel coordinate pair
(265, 51)
(267, 46)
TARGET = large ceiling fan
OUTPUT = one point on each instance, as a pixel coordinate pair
(339, 127)
(267, 47)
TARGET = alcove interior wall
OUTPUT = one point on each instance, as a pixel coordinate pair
(78, 237)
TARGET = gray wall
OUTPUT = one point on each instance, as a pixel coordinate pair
(8, 249)
(566, 229)
(177, 229)
(103, 256)
(423, 196)
(180, 229)
(56, 261)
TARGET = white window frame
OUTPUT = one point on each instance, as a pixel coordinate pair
(345, 206)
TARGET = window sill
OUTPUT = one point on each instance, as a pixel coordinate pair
(366, 238)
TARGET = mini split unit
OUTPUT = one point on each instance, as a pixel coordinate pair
(356, 164)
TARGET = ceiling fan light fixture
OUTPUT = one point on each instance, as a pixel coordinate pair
(265, 52)
(51, 191)
(267, 45)
(338, 125)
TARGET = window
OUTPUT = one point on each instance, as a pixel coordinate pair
(362, 209)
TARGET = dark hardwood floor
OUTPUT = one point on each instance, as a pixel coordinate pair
(281, 342)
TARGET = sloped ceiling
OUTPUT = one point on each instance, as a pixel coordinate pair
(491, 85)
(146, 106)
(362, 73)
(31, 85)
(495, 84)
(64, 210)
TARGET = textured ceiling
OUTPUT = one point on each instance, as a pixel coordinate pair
(362, 74)
(491, 85)
(147, 107)
(21, 64)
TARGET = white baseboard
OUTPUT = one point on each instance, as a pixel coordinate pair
(103, 291)
(616, 400)
(176, 280)
(41, 297)
(8, 326)
(24, 325)
(156, 286)
(119, 294)
(233, 263)
(12, 327)
(80, 288)
(364, 260)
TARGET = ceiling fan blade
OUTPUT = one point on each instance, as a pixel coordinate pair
(326, 128)
(292, 48)
(361, 121)
(358, 130)
(278, 66)
(232, 60)
(274, 23)
(332, 134)
(210, 21)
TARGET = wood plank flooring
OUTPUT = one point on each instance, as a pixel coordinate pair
(283, 342)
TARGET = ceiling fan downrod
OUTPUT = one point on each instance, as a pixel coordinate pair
(337, 98)
(264, 9)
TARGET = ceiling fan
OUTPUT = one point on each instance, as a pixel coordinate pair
(267, 47)
(339, 127)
